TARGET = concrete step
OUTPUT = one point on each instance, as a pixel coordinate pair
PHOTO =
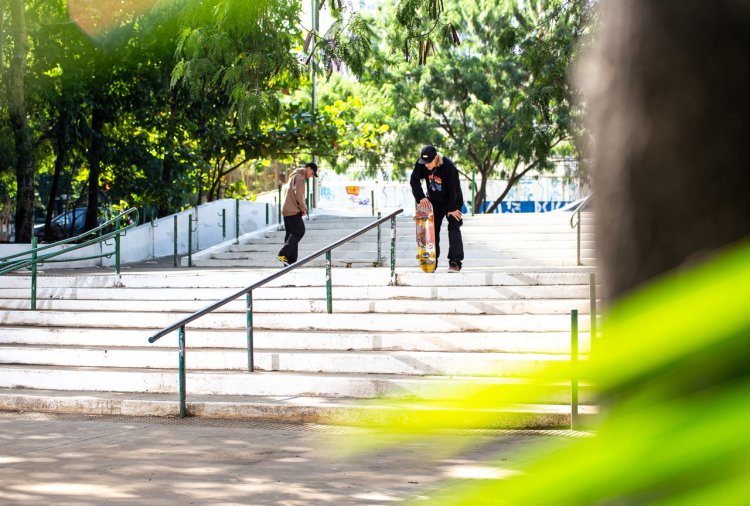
(408, 245)
(417, 363)
(241, 278)
(404, 293)
(368, 322)
(410, 253)
(481, 236)
(401, 262)
(318, 304)
(510, 342)
(298, 409)
(243, 383)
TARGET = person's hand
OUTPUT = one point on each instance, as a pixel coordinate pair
(304, 212)
(456, 214)
(424, 201)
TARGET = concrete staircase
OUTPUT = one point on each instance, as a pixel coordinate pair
(504, 316)
(493, 240)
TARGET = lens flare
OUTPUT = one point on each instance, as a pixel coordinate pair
(97, 17)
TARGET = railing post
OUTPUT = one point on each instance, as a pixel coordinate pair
(223, 224)
(573, 369)
(379, 252)
(267, 212)
(249, 324)
(307, 197)
(236, 221)
(33, 272)
(329, 294)
(592, 301)
(117, 252)
(473, 197)
(190, 240)
(372, 201)
(393, 251)
(175, 240)
(578, 240)
(278, 207)
(181, 348)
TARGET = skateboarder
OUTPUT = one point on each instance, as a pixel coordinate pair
(293, 210)
(444, 192)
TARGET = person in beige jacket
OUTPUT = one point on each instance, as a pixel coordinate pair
(293, 210)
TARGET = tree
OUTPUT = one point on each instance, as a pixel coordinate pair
(14, 79)
(501, 101)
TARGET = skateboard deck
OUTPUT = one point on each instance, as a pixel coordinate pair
(425, 220)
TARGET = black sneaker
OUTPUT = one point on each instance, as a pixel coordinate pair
(454, 267)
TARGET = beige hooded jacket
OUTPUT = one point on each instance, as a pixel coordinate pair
(294, 203)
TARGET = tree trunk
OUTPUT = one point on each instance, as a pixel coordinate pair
(20, 124)
(96, 152)
(166, 180)
(60, 145)
(670, 158)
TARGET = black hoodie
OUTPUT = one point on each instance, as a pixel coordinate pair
(442, 184)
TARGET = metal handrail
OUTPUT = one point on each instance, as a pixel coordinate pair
(5, 266)
(577, 225)
(247, 292)
(35, 259)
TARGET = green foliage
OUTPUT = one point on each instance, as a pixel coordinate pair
(501, 99)
(673, 381)
(241, 49)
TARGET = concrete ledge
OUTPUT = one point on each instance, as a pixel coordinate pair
(297, 409)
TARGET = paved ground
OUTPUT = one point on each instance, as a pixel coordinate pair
(71, 459)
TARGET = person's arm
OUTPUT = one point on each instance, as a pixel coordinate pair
(454, 193)
(454, 188)
(298, 183)
(416, 184)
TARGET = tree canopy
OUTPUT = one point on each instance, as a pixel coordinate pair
(161, 104)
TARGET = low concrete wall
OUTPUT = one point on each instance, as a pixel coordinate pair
(157, 239)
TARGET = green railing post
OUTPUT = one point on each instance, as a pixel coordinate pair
(33, 272)
(267, 212)
(249, 325)
(393, 251)
(592, 299)
(236, 221)
(473, 196)
(175, 240)
(372, 201)
(578, 240)
(117, 253)
(573, 369)
(379, 252)
(223, 224)
(329, 294)
(181, 351)
(307, 197)
(190, 240)
(278, 207)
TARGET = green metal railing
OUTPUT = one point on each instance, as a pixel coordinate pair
(32, 258)
(575, 222)
(248, 293)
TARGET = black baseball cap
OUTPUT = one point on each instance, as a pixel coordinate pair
(428, 154)
(313, 166)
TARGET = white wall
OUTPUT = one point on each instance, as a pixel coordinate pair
(156, 239)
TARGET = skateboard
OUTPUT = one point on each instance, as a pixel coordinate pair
(425, 221)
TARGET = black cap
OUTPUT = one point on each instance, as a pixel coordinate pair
(313, 166)
(428, 154)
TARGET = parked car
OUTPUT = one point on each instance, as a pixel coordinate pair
(68, 224)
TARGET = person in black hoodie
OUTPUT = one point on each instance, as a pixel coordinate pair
(444, 192)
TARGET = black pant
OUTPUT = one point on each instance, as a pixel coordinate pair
(455, 241)
(295, 231)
